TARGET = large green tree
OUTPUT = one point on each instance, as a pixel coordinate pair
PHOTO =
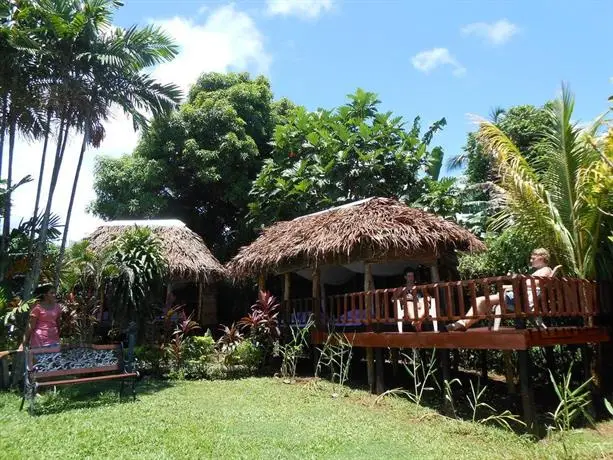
(198, 163)
(330, 157)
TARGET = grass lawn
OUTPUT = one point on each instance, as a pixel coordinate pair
(259, 418)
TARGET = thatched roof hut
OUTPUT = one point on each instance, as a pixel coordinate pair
(375, 229)
(185, 252)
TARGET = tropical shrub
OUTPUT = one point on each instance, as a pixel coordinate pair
(507, 252)
(139, 275)
(555, 200)
(261, 322)
(247, 354)
(230, 338)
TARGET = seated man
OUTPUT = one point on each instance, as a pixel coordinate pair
(538, 260)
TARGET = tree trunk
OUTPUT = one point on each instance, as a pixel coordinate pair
(34, 274)
(6, 227)
(40, 180)
(3, 131)
(60, 259)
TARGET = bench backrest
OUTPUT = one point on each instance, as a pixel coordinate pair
(68, 360)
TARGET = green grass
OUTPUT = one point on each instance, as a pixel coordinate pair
(258, 418)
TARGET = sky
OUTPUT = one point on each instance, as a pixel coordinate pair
(435, 59)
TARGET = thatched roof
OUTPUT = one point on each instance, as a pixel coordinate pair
(185, 252)
(372, 229)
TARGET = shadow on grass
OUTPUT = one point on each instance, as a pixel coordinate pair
(88, 395)
(496, 394)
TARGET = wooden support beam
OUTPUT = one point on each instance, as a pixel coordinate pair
(446, 381)
(395, 352)
(509, 371)
(261, 283)
(199, 311)
(527, 395)
(370, 353)
(287, 280)
(370, 369)
(483, 363)
(380, 380)
(316, 298)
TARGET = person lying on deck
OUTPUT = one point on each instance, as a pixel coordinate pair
(538, 260)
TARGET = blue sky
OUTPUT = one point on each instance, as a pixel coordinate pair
(433, 59)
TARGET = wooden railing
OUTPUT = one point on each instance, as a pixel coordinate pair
(533, 297)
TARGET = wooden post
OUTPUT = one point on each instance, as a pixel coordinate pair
(527, 396)
(446, 373)
(261, 283)
(395, 352)
(380, 384)
(370, 355)
(316, 298)
(287, 279)
(509, 371)
(370, 368)
(483, 359)
(199, 313)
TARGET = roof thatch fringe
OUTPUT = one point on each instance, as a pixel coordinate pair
(185, 252)
(377, 228)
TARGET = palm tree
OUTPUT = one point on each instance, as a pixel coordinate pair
(118, 81)
(89, 63)
(555, 203)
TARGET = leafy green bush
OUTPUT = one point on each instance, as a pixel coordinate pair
(507, 252)
(246, 354)
(199, 348)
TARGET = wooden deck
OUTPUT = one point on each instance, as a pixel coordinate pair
(480, 338)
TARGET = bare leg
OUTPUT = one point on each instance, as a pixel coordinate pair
(482, 309)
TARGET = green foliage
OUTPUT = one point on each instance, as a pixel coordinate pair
(294, 348)
(477, 405)
(247, 354)
(197, 164)
(262, 322)
(553, 199)
(573, 402)
(507, 252)
(335, 358)
(330, 157)
(199, 347)
(140, 271)
(422, 374)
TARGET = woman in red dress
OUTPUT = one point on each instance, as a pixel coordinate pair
(44, 325)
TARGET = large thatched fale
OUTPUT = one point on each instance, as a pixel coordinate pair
(372, 229)
(185, 252)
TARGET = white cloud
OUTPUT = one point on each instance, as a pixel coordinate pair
(228, 40)
(308, 9)
(496, 33)
(426, 61)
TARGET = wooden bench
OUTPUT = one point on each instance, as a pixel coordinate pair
(69, 365)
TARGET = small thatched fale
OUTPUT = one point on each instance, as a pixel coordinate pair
(185, 252)
(373, 230)
(188, 259)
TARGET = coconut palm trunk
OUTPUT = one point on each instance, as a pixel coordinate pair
(34, 274)
(60, 259)
(40, 178)
(6, 227)
(3, 130)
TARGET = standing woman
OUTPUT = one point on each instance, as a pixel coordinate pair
(44, 324)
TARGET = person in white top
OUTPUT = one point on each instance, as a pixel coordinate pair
(538, 260)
